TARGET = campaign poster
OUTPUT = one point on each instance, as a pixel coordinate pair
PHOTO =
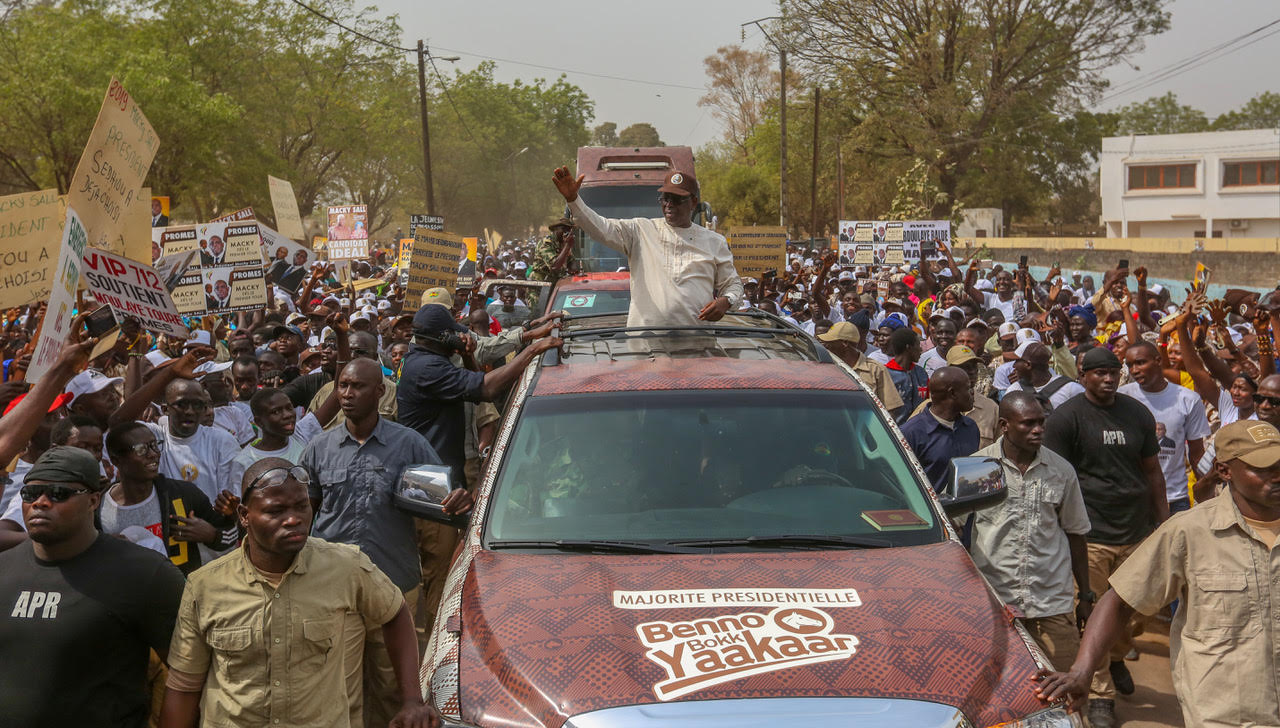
(132, 289)
(244, 213)
(893, 242)
(62, 297)
(467, 265)
(434, 223)
(406, 250)
(228, 290)
(288, 263)
(433, 263)
(159, 211)
(204, 267)
(757, 249)
(348, 232)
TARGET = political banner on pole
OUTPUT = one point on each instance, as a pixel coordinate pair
(132, 289)
(757, 249)
(285, 204)
(60, 314)
(433, 223)
(892, 242)
(433, 264)
(348, 232)
(109, 176)
(30, 232)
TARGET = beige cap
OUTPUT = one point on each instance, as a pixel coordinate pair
(842, 331)
(1256, 443)
(438, 295)
(958, 355)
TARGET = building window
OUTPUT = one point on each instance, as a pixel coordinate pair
(1244, 174)
(1161, 176)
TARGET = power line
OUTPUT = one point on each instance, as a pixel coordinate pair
(449, 96)
(571, 70)
(352, 31)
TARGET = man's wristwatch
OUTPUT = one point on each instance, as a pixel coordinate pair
(1087, 596)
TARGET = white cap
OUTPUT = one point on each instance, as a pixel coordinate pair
(1156, 288)
(210, 367)
(344, 301)
(845, 276)
(944, 273)
(294, 319)
(1025, 335)
(1008, 328)
(1021, 351)
(359, 316)
(984, 285)
(521, 265)
(384, 305)
(198, 337)
(89, 381)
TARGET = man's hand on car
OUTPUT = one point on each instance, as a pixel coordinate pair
(715, 310)
(457, 502)
(1073, 686)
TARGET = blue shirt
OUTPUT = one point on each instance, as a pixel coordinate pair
(430, 398)
(935, 444)
(354, 483)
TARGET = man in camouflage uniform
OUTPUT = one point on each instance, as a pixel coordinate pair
(552, 256)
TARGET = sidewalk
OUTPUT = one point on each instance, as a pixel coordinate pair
(1152, 704)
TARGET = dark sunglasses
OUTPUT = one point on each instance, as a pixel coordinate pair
(142, 448)
(1260, 398)
(670, 199)
(55, 493)
(274, 477)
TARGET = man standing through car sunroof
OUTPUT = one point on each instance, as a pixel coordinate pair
(681, 273)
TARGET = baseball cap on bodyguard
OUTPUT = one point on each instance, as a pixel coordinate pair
(1255, 443)
(842, 331)
(680, 183)
(89, 381)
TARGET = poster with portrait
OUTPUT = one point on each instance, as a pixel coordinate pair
(348, 232)
(216, 267)
(893, 242)
(228, 290)
(159, 211)
(287, 263)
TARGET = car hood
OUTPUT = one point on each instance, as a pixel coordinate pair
(548, 636)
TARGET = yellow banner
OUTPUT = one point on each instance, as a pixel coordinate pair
(30, 233)
(757, 249)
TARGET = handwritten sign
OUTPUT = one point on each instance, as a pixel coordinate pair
(132, 289)
(108, 178)
(285, 204)
(757, 249)
(434, 223)
(433, 263)
(30, 225)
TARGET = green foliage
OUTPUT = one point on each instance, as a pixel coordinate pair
(605, 135)
(642, 134)
(740, 194)
(1260, 112)
(918, 196)
(1160, 115)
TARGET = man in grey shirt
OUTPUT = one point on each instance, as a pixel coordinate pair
(354, 469)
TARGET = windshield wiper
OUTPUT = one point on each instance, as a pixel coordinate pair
(618, 547)
(816, 541)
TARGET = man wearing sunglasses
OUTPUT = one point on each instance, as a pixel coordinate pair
(81, 610)
(681, 273)
(1266, 407)
(173, 510)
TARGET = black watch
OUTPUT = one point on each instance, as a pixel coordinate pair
(1087, 596)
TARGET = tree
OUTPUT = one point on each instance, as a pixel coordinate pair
(605, 135)
(642, 134)
(1260, 112)
(948, 74)
(740, 85)
(1160, 115)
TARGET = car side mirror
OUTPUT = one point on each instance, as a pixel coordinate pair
(421, 491)
(974, 483)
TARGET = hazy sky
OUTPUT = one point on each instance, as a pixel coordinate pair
(665, 41)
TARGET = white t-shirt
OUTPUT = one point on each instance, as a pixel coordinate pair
(204, 458)
(931, 361)
(1012, 309)
(1001, 382)
(1181, 413)
(1228, 412)
(292, 452)
(235, 420)
(14, 512)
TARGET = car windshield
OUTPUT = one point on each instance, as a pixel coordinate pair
(584, 302)
(657, 467)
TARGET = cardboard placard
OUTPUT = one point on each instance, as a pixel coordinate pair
(62, 297)
(30, 233)
(918, 239)
(433, 264)
(288, 263)
(425, 222)
(757, 249)
(285, 205)
(132, 289)
(244, 213)
(216, 267)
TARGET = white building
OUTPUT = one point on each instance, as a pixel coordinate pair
(981, 222)
(1209, 184)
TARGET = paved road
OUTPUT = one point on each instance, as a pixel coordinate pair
(1152, 704)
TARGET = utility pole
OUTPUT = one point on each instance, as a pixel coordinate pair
(813, 182)
(426, 129)
(839, 181)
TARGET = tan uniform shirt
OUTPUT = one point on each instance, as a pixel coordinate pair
(985, 413)
(874, 375)
(1021, 545)
(1225, 639)
(274, 656)
(387, 406)
(674, 271)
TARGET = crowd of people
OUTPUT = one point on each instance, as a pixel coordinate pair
(178, 508)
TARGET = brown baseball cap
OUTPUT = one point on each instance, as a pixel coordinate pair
(680, 183)
(1254, 442)
(842, 331)
(958, 355)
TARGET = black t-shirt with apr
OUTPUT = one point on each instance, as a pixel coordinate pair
(75, 635)
(1106, 445)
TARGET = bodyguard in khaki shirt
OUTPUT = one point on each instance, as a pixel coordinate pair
(1219, 559)
(843, 340)
(259, 639)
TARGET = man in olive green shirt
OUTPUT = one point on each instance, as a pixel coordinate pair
(1219, 560)
(845, 342)
(260, 633)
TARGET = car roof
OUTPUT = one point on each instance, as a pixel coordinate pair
(745, 350)
(619, 281)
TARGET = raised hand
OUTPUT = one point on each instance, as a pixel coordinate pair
(1141, 274)
(566, 184)
(184, 367)
(1218, 312)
